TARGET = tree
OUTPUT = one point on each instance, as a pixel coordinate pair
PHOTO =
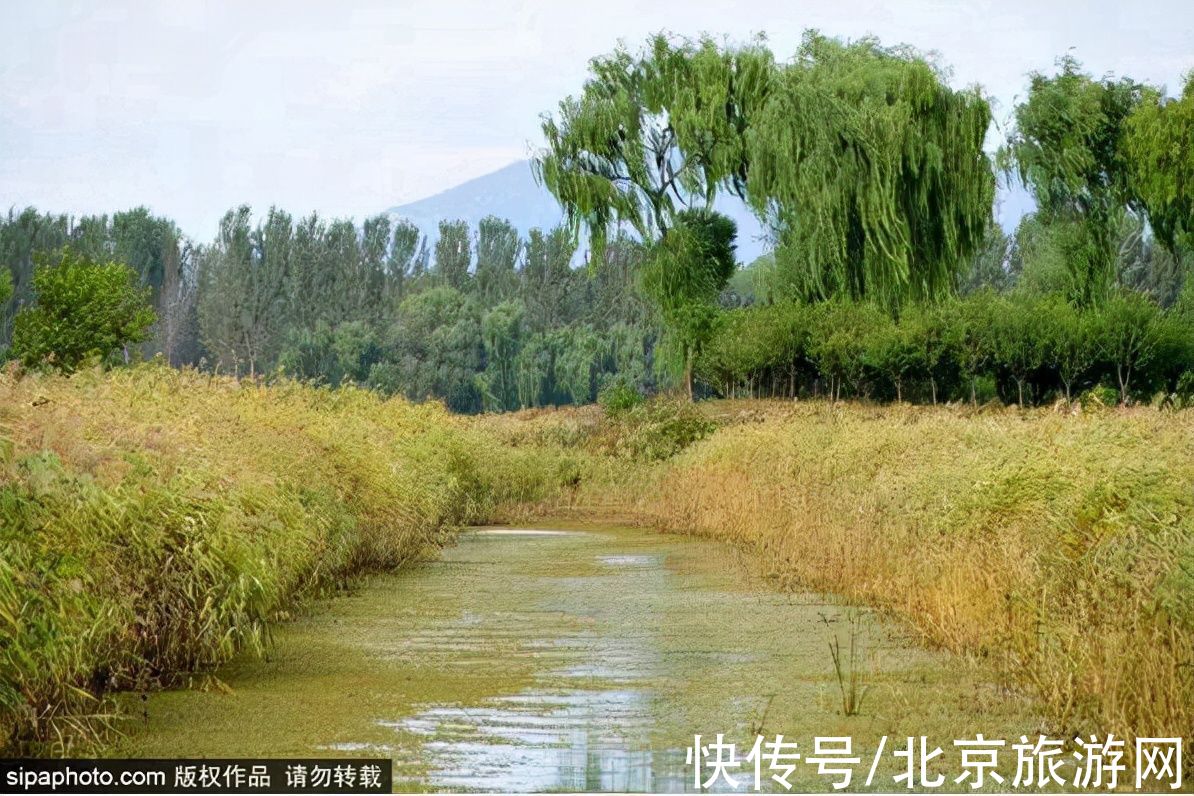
(24, 237)
(653, 132)
(891, 350)
(838, 342)
(374, 246)
(992, 266)
(501, 332)
(972, 319)
(1066, 146)
(407, 252)
(498, 249)
(243, 289)
(870, 170)
(578, 362)
(546, 282)
(453, 254)
(1070, 342)
(1159, 150)
(935, 337)
(434, 349)
(1017, 344)
(83, 308)
(685, 274)
(1130, 331)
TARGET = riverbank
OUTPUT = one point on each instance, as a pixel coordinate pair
(1057, 546)
(153, 522)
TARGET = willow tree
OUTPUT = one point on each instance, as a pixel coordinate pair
(653, 133)
(871, 172)
(1158, 146)
(1067, 147)
(685, 273)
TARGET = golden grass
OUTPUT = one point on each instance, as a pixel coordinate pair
(1060, 546)
(154, 521)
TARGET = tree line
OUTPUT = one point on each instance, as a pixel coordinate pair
(1018, 348)
(482, 318)
(869, 172)
(887, 277)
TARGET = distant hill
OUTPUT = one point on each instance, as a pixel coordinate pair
(511, 193)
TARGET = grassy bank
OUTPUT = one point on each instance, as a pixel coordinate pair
(1060, 546)
(153, 522)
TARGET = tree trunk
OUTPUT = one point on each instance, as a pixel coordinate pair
(933, 386)
(688, 372)
(974, 390)
(899, 392)
(1020, 387)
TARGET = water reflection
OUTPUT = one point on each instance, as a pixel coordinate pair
(586, 724)
(534, 741)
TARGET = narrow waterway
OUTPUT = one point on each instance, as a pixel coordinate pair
(580, 658)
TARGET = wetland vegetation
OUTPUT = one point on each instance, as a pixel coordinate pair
(993, 532)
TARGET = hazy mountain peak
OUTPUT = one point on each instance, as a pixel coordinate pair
(512, 193)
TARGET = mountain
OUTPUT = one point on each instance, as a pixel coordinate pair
(511, 193)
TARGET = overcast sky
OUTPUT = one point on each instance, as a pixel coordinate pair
(352, 107)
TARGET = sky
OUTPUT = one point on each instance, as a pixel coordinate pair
(350, 107)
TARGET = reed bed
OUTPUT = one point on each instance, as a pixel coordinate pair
(153, 522)
(1059, 546)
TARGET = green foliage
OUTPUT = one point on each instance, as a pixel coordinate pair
(435, 348)
(837, 344)
(651, 131)
(1130, 333)
(868, 167)
(153, 247)
(872, 171)
(618, 396)
(684, 275)
(1159, 150)
(453, 254)
(83, 309)
(1070, 340)
(1028, 347)
(1067, 147)
(893, 351)
(330, 356)
(992, 266)
(655, 430)
(502, 334)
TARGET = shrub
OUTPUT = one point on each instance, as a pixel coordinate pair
(618, 396)
(84, 309)
(653, 430)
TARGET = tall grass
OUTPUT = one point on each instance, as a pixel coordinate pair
(154, 521)
(1059, 546)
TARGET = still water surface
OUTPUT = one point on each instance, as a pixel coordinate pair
(581, 658)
